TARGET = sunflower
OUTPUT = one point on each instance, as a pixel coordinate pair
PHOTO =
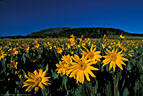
(13, 51)
(63, 66)
(59, 50)
(13, 64)
(81, 67)
(103, 46)
(36, 80)
(27, 48)
(36, 45)
(67, 59)
(114, 58)
(72, 40)
(121, 36)
(2, 54)
(92, 53)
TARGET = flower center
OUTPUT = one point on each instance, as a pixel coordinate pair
(90, 55)
(82, 66)
(38, 80)
(113, 57)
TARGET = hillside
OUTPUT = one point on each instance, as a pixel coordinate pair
(51, 32)
(91, 32)
(86, 32)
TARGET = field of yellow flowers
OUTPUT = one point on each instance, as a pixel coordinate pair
(71, 67)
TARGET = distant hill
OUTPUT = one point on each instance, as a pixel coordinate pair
(86, 32)
(91, 32)
(51, 32)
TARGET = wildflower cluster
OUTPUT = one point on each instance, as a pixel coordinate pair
(90, 63)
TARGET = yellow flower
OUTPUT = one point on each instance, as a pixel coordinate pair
(2, 54)
(63, 66)
(50, 48)
(67, 59)
(20, 76)
(8, 79)
(72, 40)
(126, 50)
(72, 36)
(48, 44)
(104, 35)
(13, 64)
(27, 49)
(81, 67)
(72, 43)
(114, 58)
(16, 72)
(72, 52)
(104, 46)
(68, 46)
(13, 51)
(59, 50)
(36, 46)
(34, 60)
(92, 53)
(130, 53)
(0, 47)
(121, 36)
(36, 80)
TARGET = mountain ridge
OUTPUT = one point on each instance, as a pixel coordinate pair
(87, 32)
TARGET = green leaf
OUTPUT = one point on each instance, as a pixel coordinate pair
(23, 73)
(7, 93)
(47, 66)
(54, 75)
(126, 92)
(64, 82)
(44, 92)
(96, 87)
(3, 66)
(129, 67)
(24, 58)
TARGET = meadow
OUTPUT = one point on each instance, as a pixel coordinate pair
(71, 67)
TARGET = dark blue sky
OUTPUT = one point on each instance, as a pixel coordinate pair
(21, 17)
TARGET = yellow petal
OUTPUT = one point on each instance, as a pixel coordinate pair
(86, 75)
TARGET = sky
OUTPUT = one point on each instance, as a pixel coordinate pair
(22, 17)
